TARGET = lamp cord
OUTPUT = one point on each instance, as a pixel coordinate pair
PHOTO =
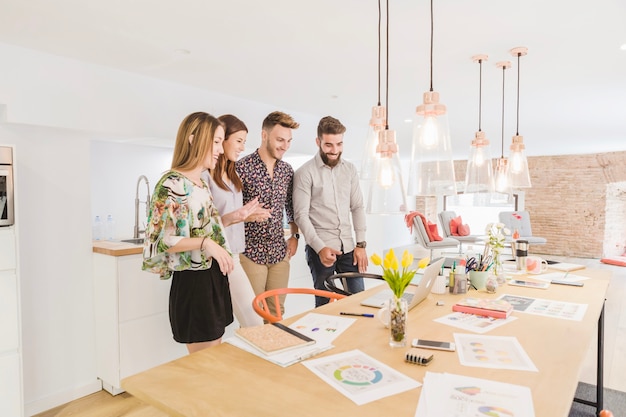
(431, 44)
(502, 148)
(387, 74)
(517, 125)
(379, 47)
(480, 94)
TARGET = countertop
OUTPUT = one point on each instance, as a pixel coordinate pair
(113, 248)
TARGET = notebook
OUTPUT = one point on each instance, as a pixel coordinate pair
(566, 267)
(413, 294)
(273, 338)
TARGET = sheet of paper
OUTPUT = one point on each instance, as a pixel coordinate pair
(462, 396)
(560, 276)
(547, 308)
(472, 322)
(498, 352)
(360, 377)
(282, 359)
(321, 327)
(324, 328)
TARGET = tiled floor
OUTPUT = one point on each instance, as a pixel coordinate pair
(615, 320)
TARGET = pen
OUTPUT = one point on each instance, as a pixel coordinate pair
(357, 314)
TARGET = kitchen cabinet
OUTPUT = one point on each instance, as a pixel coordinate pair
(132, 321)
(11, 402)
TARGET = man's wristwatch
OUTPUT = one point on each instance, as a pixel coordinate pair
(296, 235)
(361, 245)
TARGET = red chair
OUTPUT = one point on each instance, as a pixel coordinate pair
(262, 308)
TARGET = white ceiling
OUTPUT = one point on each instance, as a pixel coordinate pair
(320, 57)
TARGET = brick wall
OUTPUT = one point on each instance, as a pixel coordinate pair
(568, 203)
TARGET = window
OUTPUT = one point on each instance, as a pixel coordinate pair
(480, 209)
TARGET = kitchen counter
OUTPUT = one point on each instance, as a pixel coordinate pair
(113, 248)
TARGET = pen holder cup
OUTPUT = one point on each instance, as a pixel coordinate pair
(478, 279)
(439, 287)
(460, 283)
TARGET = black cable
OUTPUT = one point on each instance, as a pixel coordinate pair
(431, 44)
(517, 126)
(379, 46)
(503, 69)
(480, 94)
(387, 74)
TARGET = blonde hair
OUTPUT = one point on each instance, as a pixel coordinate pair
(279, 118)
(202, 127)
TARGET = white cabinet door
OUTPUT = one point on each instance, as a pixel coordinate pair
(10, 388)
(141, 294)
(7, 243)
(9, 319)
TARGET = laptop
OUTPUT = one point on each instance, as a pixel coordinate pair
(414, 294)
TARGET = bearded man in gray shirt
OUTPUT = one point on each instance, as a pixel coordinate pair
(328, 207)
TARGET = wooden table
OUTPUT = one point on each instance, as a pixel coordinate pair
(227, 381)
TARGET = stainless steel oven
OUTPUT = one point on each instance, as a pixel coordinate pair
(6, 186)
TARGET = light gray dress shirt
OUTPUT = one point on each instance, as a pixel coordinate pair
(324, 199)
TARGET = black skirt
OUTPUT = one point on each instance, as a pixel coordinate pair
(200, 305)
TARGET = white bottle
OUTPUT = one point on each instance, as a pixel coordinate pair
(110, 228)
(96, 229)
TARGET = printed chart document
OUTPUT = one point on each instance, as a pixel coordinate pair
(472, 322)
(498, 352)
(462, 396)
(321, 327)
(547, 308)
(360, 377)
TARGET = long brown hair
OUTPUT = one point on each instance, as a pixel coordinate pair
(231, 125)
(188, 155)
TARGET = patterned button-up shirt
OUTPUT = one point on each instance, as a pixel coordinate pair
(265, 241)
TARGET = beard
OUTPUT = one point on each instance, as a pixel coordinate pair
(330, 162)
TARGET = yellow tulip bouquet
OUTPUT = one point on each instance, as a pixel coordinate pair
(398, 279)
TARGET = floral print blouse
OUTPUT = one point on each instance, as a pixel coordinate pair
(265, 241)
(180, 209)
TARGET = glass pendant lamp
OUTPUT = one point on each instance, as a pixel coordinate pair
(479, 174)
(518, 163)
(432, 168)
(386, 191)
(377, 123)
(502, 182)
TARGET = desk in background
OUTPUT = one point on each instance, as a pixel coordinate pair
(227, 381)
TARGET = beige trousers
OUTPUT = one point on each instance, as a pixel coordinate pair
(265, 277)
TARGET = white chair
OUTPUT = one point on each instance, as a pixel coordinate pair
(520, 221)
(444, 219)
(421, 237)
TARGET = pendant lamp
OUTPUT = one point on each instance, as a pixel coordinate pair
(432, 167)
(502, 181)
(479, 174)
(386, 194)
(518, 163)
(377, 123)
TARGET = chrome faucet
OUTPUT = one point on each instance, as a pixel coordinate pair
(136, 231)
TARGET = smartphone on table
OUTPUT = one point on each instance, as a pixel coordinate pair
(433, 344)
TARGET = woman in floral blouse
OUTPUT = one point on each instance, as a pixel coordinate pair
(185, 237)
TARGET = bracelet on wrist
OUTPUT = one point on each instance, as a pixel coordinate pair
(202, 244)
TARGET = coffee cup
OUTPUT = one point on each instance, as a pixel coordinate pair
(536, 265)
(384, 316)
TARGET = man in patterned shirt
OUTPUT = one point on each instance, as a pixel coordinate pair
(265, 175)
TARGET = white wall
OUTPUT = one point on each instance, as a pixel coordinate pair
(80, 131)
(56, 109)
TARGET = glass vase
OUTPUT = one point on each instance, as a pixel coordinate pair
(498, 268)
(398, 317)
